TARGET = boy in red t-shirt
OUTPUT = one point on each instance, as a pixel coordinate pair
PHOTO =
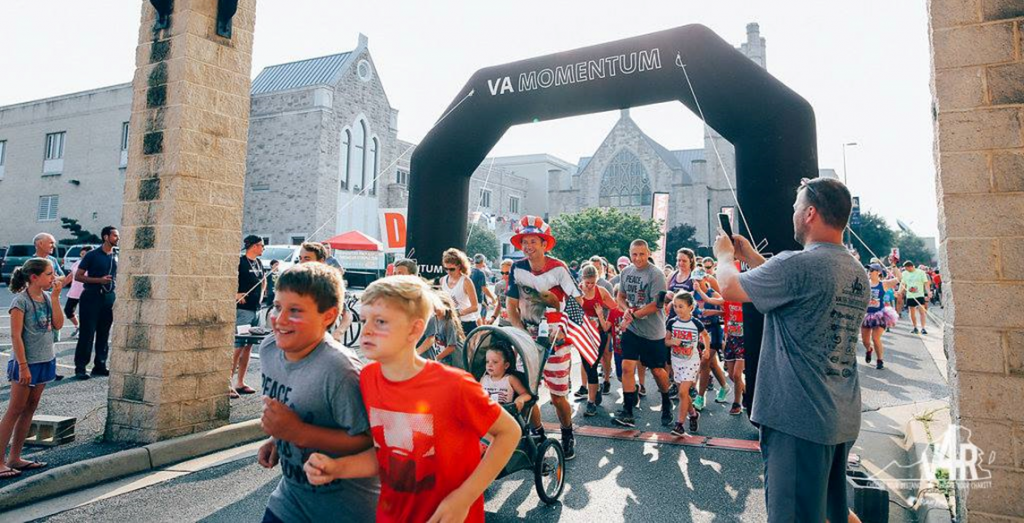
(426, 418)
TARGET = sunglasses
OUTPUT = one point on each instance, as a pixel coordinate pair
(450, 269)
(805, 183)
(503, 273)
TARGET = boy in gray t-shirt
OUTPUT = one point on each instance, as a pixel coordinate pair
(312, 401)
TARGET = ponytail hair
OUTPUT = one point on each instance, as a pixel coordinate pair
(22, 276)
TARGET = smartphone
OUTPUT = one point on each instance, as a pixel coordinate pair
(725, 224)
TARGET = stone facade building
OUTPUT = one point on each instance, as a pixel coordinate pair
(63, 157)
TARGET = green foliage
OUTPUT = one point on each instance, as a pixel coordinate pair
(78, 234)
(682, 235)
(876, 234)
(912, 248)
(482, 241)
(602, 232)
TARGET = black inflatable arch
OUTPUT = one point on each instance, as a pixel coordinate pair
(771, 127)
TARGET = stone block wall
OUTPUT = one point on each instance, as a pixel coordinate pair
(978, 88)
(181, 225)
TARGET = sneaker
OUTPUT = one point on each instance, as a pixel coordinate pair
(673, 390)
(591, 409)
(678, 430)
(924, 330)
(606, 387)
(568, 447)
(100, 371)
(867, 357)
(694, 422)
(914, 331)
(538, 434)
(642, 391)
(698, 403)
(623, 420)
(81, 375)
(598, 398)
(581, 392)
(879, 365)
(721, 396)
(75, 333)
(693, 392)
(736, 409)
(667, 418)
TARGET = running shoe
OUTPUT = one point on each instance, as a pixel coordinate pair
(606, 387)
(914, 331)
(591, 410)
(568, 448)
(867, 356)
(581, 392)
(879, 365)
(642, 391)
(679, 430)
(693, 392)
(75, 333)
(698, 403)
(666, 418)
(924, 330)
(694, 422)
(736, 409)
(597, 398)
(673, 390)
(623, 420)
(721, 396)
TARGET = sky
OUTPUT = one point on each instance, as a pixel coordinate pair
(864, 67)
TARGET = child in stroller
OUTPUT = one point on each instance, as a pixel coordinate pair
(500, 383)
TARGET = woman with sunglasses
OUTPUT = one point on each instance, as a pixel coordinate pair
(457, 284)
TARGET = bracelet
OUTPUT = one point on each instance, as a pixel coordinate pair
(20, 364)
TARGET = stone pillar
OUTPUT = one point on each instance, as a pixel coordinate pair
(181, 229)
(978, 85)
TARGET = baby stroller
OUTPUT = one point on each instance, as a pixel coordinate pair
(526, 359)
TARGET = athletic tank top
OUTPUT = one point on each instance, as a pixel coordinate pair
(500, 391)
(462, 301)
(675, 285)
(590, 305)
(877, 293)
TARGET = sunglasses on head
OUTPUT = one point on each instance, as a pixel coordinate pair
(805, 183)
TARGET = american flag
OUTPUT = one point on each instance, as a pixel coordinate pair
(579, 331)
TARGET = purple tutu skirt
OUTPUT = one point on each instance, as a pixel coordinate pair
(884, 318)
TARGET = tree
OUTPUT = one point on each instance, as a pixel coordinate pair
(875, 232)
(682, 235)
(79, 235)
(482, 240)
(912, 248)
(602, 232)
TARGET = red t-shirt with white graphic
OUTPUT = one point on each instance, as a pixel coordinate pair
(733, 319)
(427, 432)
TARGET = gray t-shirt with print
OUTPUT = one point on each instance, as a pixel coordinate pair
(813, 303)
(37, 333)
(642, 286)
(323, 389)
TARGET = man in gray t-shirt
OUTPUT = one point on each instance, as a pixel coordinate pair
(641, 295)
(807, 398)
(323, 389)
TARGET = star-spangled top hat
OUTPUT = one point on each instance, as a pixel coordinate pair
(532, 226)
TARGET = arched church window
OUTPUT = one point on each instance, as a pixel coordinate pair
(346, 155)
(359, 155)
(373, 164)
(624, 182)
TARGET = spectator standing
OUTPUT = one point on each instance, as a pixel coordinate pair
(98, 272)
(75, 294)
(809, 403)
(45, 244)
(331, 260)
(480, 276)
(251, 286)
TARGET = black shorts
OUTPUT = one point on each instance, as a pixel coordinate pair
(69, 308)
(915, 302)
(651, 353)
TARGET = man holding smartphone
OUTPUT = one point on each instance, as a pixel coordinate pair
(808, 404)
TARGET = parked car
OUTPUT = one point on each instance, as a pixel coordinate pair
(17, 255)
(73, 255)
(288, 255)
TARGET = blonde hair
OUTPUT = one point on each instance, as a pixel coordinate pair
(456, 258)
(446, 303)
(409, 293)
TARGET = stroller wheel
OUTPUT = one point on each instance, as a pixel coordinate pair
(549, 471)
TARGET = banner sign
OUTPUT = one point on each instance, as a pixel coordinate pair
(392, 226)
(659, 211)
(855, 212)
(360, 260)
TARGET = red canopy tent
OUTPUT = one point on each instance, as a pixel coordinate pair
(354, 241)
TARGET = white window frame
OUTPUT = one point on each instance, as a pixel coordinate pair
(345, 161)
(47, 210)
(485, 198)
(513, 204)
(402, 177)
(55, 146)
